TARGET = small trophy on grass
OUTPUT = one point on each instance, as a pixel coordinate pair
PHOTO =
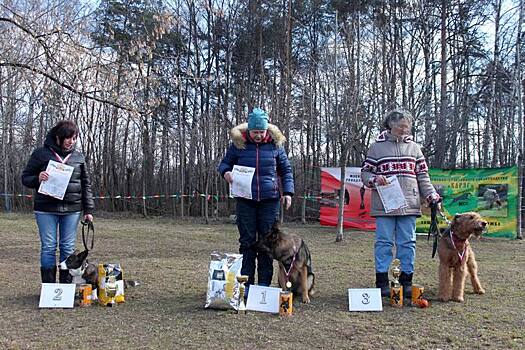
(396, 290)
(242, 279)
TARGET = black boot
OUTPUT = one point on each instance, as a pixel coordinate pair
(48, 275)
(405, 280)
(382, 282)
(64, 276)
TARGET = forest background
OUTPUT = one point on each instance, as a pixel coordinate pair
(155, 86)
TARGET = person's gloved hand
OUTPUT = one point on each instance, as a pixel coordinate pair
(434, 198)
(287, 201)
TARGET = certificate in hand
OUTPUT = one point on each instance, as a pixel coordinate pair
(56, 184)
(242, 181)
(392, 195)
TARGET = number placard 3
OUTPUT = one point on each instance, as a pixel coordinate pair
(365, 299)
(57, 295)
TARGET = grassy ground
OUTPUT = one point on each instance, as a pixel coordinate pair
(171, 260)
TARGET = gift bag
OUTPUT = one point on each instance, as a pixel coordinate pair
(110, 284)
(223, 288)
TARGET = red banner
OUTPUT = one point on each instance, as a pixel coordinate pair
(356, 203)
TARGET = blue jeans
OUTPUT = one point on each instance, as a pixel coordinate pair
(400, 230)
(255, 219)
(48, 223)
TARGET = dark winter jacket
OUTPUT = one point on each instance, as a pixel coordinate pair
(272, 167)
(78, 195)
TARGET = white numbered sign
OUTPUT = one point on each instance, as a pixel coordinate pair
(265, 299)
(57, 295)
(366, 299)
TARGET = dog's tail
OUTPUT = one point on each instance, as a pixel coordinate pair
(131, 283)
(311, 284)
(309, 269)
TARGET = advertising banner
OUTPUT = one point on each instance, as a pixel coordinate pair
(356, 202)
(490, 192)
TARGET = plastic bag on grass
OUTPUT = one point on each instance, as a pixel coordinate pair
(223, 288)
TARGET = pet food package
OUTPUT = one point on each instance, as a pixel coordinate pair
(223, 288)
(111, 284)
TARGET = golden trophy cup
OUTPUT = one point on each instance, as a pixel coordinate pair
(396, 289)
(242, 279)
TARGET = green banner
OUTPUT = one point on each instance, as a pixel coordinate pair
(490, 192)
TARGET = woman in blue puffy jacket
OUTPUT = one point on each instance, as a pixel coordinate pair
(259, 145)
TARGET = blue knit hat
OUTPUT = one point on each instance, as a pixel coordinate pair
(258, 120)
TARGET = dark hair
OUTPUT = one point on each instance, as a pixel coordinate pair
(64, 129)
(396, 115)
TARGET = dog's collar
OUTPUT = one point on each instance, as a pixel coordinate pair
(455, 239)
(289, 270)
(289, 261)
(75, 272)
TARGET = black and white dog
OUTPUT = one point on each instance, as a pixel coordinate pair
(76, 269)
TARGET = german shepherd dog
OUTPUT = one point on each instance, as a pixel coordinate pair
(295, 261)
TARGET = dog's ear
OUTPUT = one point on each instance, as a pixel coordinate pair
(72, 258)
(276, 227)
(457, 216)
(82, 256)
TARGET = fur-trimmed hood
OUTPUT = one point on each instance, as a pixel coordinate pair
(238, 135)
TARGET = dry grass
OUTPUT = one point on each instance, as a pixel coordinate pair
(171, 261)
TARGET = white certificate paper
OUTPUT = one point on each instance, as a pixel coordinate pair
(56, 184)
(242, 181)
(392, 195)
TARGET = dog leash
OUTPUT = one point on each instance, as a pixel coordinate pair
(85, 236)
(434, 228)
(434, 224)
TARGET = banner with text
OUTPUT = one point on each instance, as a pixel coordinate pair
(490, 192)
(356, 202)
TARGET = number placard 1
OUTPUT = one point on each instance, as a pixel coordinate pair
(265, 299)
(365, 299)
(57, 295)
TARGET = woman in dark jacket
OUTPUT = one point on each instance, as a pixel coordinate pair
(52, 213)
(259, 145)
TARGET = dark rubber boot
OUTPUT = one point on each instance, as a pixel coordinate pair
(382, 282)
(48, 275)
(405, 280)
(64, 276)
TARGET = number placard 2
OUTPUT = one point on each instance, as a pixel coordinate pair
(365, 299)
(57, 295)
(265, 299)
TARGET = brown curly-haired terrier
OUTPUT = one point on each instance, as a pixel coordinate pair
(456, 256)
